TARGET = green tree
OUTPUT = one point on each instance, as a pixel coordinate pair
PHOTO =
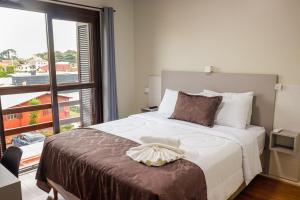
(20, 61)
(43, 55)
(67, 56)
(33, 115)
(59, 56)
(70, 56)
(66, 127)
(3, 74)
(8, 54)
(10, 69)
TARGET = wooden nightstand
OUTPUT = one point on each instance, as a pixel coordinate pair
(285, 155)
(149, 109)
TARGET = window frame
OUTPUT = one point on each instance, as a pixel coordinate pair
(60, 12)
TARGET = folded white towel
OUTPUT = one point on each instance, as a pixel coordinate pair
(155, 154)
(162, 140)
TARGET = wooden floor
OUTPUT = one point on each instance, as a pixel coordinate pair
(261, 188)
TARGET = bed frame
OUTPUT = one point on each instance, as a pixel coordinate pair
(263, 106)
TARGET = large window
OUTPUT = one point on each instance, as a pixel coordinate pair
(49, 73)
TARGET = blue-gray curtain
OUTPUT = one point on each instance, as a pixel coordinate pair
(109, 84)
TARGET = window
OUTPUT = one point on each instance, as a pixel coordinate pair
(21, 47)
(12, 116)
(46, 112)
(49, 77)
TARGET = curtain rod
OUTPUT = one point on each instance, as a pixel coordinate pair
(77, 4)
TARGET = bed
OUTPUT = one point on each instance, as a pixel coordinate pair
(228, 157)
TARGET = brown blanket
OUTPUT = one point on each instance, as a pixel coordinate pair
(92, 165)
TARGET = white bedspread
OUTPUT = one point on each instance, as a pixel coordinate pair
(227, 156)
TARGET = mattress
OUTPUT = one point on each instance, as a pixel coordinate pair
(219, 155)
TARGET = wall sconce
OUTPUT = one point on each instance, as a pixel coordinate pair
(208, 69)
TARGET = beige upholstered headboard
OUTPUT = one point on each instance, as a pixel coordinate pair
(261, 84)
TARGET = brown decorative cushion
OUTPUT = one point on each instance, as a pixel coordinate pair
(196, 108)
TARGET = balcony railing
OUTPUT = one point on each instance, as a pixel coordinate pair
(38, 126)
(57, 124)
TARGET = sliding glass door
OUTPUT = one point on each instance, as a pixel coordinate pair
(50, 79)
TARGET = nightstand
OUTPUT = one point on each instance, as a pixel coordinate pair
(285, 155)
(149, 109)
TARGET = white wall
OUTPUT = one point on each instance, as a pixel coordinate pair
(248, 36)
(124, 42)
(287, 108)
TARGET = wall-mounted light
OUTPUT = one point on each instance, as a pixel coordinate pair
(208, 69)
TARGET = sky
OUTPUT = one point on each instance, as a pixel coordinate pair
(25, 31)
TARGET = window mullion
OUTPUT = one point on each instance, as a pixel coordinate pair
(52, 74)
(2, 135)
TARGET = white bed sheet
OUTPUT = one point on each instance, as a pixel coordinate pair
(260, 134)
(219, 151)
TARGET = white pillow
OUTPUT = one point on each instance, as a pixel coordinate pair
(235, 109)
(250, 94)
(168, 103)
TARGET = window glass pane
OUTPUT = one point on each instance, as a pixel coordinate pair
(15, 120)
(32, 145)
(23, 48)
(23, 119)
(76, 109)
(72, 51)
(31, 142)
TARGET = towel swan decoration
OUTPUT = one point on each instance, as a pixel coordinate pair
(156, 151)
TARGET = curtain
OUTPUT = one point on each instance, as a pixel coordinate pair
(109, 83)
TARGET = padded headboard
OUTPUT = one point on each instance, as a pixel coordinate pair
(261, 84)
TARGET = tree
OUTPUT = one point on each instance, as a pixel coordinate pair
(66, 127)
(3, 74)
(59, 56)
(70, 56)
(33, 115)
(43, 55)
(10, 69)
(67, 56)
(8, 54)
